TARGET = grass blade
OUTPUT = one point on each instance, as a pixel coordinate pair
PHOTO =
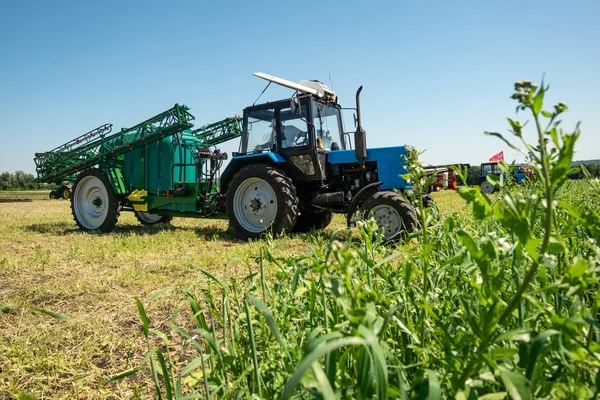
(58, 316)
(311, 357)
(327, 392)
(433, 385)
(253, 348)
(266, 313)
(165, 374)
(208, 274)
(143, 316)
(193, 365)
(123, 375)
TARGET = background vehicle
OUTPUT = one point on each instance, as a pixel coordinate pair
(518, 175)
(62, 191)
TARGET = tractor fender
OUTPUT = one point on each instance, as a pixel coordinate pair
(239, 162)
(359, 198)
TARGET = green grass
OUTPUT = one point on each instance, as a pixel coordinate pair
(46, 262)
(379, 316)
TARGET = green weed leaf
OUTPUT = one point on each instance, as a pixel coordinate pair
(516, 384)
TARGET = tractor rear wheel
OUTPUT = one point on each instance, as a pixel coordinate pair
(312, 219)
(94, 204)
(151, 219)
(261, 198)
(393, 213)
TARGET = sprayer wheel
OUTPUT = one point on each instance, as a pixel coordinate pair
(94, 204)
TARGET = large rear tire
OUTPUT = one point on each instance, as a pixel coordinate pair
(261, 198)
(393, 213)
(94, 204)
(312, 219)
(151, 219)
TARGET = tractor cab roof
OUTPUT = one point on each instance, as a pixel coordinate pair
(265, 111)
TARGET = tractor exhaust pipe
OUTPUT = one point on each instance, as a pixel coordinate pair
(360, 136)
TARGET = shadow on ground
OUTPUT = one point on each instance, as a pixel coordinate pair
(67, 228)
(15, 200)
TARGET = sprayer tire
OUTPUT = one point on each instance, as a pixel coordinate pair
(94, 203)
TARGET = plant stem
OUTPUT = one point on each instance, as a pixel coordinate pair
(531, 273)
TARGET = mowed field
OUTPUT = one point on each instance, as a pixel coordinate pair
(48, 263)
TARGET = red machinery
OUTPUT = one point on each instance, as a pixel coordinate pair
(445, 176)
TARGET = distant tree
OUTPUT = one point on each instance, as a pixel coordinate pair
(593, 168)
(5, 183)
(473, 174)
(20, 181)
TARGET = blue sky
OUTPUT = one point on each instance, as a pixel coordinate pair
(436, 74)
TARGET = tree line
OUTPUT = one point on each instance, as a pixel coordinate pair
(20, 181)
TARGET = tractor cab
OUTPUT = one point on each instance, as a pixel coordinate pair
(295, 168)
(300, 130)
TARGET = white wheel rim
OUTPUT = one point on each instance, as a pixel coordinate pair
(255, 205)
(149, 218)
(91, 202)
(487, 187)
(388, 219)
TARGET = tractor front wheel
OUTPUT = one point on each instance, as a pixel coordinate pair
(393, 213)
(261, 198)
(486, 187)
(94, 204)
(151, 219)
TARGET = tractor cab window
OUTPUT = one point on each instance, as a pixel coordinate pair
(294, 128)
(261, 131)
(328, 127)
(490, 169)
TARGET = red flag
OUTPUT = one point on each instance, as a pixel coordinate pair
(498, 157)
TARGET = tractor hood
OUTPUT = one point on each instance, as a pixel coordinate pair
(389, 164)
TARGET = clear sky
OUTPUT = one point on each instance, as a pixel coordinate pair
(436, 74)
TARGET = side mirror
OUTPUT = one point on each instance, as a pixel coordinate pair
(355, 120)
(295, 106)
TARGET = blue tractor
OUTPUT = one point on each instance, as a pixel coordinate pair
(296, 167)
(491, 168)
